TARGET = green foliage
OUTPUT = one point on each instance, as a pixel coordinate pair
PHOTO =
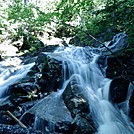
(24, 18)
(23, 21)
(100, 18)
(117, 16)
(69, 13)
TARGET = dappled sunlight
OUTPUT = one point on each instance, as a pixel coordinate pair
(11, 62)
(7, 50)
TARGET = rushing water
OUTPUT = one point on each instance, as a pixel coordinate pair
(80, 67)
(11, 75)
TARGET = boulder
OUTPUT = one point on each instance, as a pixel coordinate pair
(51, 77)
(49, 48)
(79, 108)
(51, 114)
(120, 64)
(118, 90)
(114, 69)
(47, 72)
(46, 75)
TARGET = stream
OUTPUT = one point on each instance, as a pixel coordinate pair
(80, 69)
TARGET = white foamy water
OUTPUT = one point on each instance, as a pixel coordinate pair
(11, 75)
(80, 67)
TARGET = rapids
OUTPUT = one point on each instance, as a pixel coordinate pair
(80, 67)
(11, 75)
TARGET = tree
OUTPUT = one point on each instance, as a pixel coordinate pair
(26, 21)
(101, 18)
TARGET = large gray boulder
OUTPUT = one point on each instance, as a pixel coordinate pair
(51, 114)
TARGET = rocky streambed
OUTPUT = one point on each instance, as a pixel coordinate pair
(39, 102)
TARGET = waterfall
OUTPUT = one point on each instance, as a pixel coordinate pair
(80, 67)
(11, 75)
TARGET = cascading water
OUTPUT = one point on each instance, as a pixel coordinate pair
(80, 67)
(11, 75)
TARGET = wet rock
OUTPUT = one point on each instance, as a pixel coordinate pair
(8, 129)
(23, 92)
(18, 111)
(120, 64)
(13, 104)
(23, 88)
(78, 106)
(51, 75)
(41, 61)
(83, 125)
(75, 100)
(59, 127)
(119, 90)
(47, 73)
(29, 59)
(51, 114)
(28, 119)
(114, 68)
(27, 105)
(102, 63)
(131, 103)
(118, 42)
(6, 104)
(32, 56)
(5, 119)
